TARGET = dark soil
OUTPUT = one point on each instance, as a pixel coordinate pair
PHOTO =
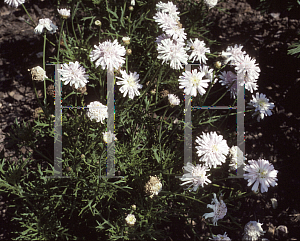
(265, 37)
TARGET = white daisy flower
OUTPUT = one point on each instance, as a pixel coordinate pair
(262, 106)
(74, 74)
(252, 231)
(130, 219)
(45, 23)
(173, 99)
(227, 79)
(208, 72)
(14, 3)
(64, 13)
(153, 186)
(97, 111)
(220, 237)
(198, 50)
(212, 149)
(219, 210)
(193, 81)
(211, 3)
(109, 55)
(130, 84)
(173, 52)
(175, 31)
(250, 83)
(237, 158)
(38, 73)
(233, 53)
(260, 172)
(108, 136)
(247, 66)
(196, 176)
(164, 19)
(169, 8)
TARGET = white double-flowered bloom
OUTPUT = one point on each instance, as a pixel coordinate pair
(260, 172)
(212, 149)
(192, 81)
(97, 111)
(236, 158)
(74, 74)
(164, 19)
(211, 3)
(130, 84)
(47, 24)
(173, 52)
(169, 8)
(233, 53)
(130, 219)
(208, 72)
(220, 237)
(219, 209)
(198, 50)
(14, 3)
(109, 55)
(252, 231)
(245, 65)
(262, 106)
(196, 176)
(108, 137)
(64, 13)
(173, 99)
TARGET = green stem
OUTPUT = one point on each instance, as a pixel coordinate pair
(36, 94)
(44, 67)
(62, 25)
(28, 16)
(126, 61)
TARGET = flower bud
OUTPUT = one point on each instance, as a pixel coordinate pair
(133, 207)
(130, 8)
(128, 52)
(98, 23)
(218, 64)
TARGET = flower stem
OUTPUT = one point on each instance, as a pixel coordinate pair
(36, 94)
(44, 67)
(62, 25)
(28, 15)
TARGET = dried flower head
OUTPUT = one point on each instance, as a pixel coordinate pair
(38, 113)
(38, 74)
(153, 186)
(252, 231)
(128, 51)
(64, 13)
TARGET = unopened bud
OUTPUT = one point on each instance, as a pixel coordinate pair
(218, 64)
(128, 52)
(133, 207)
(130, 8)
(126, 40)
(98, 23)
